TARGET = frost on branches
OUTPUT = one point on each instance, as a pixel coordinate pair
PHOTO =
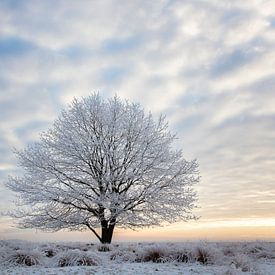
(104, 164)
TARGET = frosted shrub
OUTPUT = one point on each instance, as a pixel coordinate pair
(207, 254)
(21, 257)
(49, 250)
(183, 256)
(123, 256)
(260, 250)
(202, 255)
(50, 253)
(243, 263)
(253, 248)
(266, 254)
(75, 258)
(151, 254)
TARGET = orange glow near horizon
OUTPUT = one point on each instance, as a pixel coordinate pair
(223, 230)
(230, 230)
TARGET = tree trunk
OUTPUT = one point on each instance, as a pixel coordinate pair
(107, 232)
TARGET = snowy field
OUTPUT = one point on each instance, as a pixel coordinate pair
(20, 257)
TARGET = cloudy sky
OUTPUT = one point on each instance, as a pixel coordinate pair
(208, 65)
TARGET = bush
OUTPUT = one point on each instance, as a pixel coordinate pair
(270, 255)
(153, 254)
(123, 256)
(242, 262)
(75, 258)
(181, 256)
(202, 255)
(260, 250)
(207, 254)
(50, 253)
(23, 258)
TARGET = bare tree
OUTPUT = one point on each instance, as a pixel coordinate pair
(104, 163)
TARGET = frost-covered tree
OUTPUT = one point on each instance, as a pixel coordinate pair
(104, 163)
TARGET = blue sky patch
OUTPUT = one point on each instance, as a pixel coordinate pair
(114, 74)
(10, 46)
(120, 45)
(231, 61)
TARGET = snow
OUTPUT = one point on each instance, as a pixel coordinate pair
(138, 258)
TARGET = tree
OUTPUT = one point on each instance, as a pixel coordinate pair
(104, 163)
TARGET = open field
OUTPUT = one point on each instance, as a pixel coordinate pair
(21, 257)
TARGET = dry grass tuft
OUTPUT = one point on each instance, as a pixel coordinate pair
(182, 257)
(203, 256)
(75, 258)
(154, 255)
(22, 258)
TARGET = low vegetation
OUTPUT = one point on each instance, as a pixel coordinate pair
(241, 257)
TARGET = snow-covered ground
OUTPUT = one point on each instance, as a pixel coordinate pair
(20, 257)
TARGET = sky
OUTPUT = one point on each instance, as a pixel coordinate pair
(209, 66)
